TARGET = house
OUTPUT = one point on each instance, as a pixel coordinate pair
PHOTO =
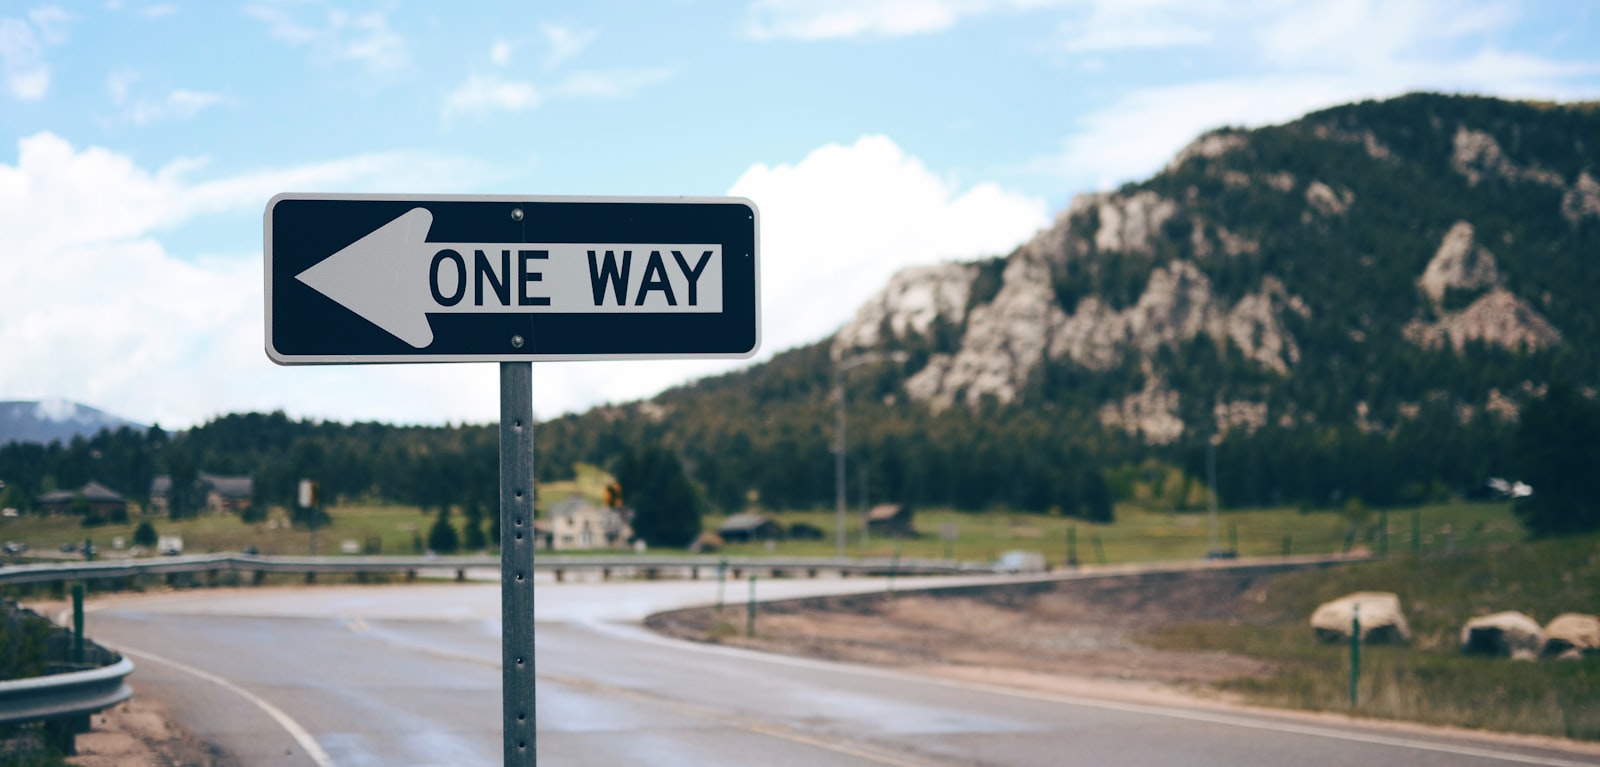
(98, 499)
(891, 519)
(223, 493)
(575, 523)
(749, 526)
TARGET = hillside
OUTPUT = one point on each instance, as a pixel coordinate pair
(55, 420)
(1356, 304)
(1353, 308)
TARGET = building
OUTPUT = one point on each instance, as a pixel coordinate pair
(575, 523)
(891, 519)
(223, 493)
(97, 498)
(749, 526)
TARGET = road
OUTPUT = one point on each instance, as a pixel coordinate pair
(356, 676)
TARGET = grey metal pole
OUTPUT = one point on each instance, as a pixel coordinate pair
(516, 562)
(838, 460)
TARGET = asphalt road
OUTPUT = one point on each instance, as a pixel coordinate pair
(410, 676)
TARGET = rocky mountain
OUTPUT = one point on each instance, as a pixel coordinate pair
(49, 421)
(1361, 241)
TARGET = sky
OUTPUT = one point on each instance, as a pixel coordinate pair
(140, 142)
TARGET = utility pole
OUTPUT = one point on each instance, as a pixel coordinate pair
(839, 369)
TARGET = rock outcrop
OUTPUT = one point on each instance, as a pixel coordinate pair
(1497, 317)
(1504, 634)
(1572, 636)
(1382, 620)
(915, 298)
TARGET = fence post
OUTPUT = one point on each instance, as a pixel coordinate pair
(1072, 545)
(722, 579)
(750, 613)
(1355, 653)
(1099, 549)
(1416, 531)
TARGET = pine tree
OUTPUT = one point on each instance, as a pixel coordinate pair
(442, 537)
(474, 539)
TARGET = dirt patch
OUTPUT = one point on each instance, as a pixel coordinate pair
(141, 733)
(1072, 636)
(137, 733)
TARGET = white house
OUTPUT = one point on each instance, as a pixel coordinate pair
(578, 524)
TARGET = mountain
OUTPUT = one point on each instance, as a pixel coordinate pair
(55, 420)
(1353, 304)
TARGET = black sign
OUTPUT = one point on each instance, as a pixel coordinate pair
(383, 278)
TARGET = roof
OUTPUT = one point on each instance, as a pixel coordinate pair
(746, 521)
(230, 487)
(571, 505)
(885, 511)
(226, 486)
(93, 491)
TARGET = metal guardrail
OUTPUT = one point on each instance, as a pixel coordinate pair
(647, 564)
(64, 696)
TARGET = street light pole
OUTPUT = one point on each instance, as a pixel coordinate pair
(839, 369)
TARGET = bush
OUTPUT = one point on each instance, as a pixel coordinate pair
(145, 535)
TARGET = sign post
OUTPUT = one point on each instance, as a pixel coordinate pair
(356, 279)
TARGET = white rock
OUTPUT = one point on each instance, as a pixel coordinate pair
(1382, 620)
(1572, 633)
(1459, 263)
(1503, 634)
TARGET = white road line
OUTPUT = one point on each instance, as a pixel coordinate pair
(299, 733)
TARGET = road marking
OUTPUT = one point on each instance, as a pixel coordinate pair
(299, 733)
(735, 719)
(639, 633)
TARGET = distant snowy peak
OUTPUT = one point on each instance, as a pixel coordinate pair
(49, 420)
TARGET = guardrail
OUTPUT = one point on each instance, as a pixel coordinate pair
(64, 696)
(647, 566)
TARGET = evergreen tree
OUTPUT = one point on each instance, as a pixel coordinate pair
(442, 537)
(145, 535)
(1558, 449)
(666, 505)
(473, 539)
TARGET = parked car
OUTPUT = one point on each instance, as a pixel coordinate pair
(12, 547)
(1020, 562)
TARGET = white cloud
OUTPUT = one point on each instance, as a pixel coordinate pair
(159, 11)
(337, 35)
(97, 310)
(22, 47)
(500, 53)
(564, 44)
(1313, 56)
(178, 104)
(481, 94)
(840, 19)
(837, 224)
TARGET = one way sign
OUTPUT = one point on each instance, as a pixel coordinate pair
(385, 278)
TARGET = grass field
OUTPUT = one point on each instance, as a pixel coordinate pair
(1428, 680)
(1138, 535)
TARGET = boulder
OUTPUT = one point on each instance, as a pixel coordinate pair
(1572, 635)
(1506, 634)
(1381, 619)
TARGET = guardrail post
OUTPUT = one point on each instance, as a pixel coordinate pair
(750, 614)
(77, 623)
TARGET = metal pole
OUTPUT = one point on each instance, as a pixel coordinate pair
(838, 461)
(1211, 489)
(77, 623)
(516, 563)
(1355, 653)
(750, 611)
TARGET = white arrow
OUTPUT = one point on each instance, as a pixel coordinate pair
(377, 277)
(394, 278)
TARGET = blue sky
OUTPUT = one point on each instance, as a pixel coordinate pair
(142, 140)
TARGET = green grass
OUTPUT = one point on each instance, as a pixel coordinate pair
(1429, 680)
(1140, 535)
